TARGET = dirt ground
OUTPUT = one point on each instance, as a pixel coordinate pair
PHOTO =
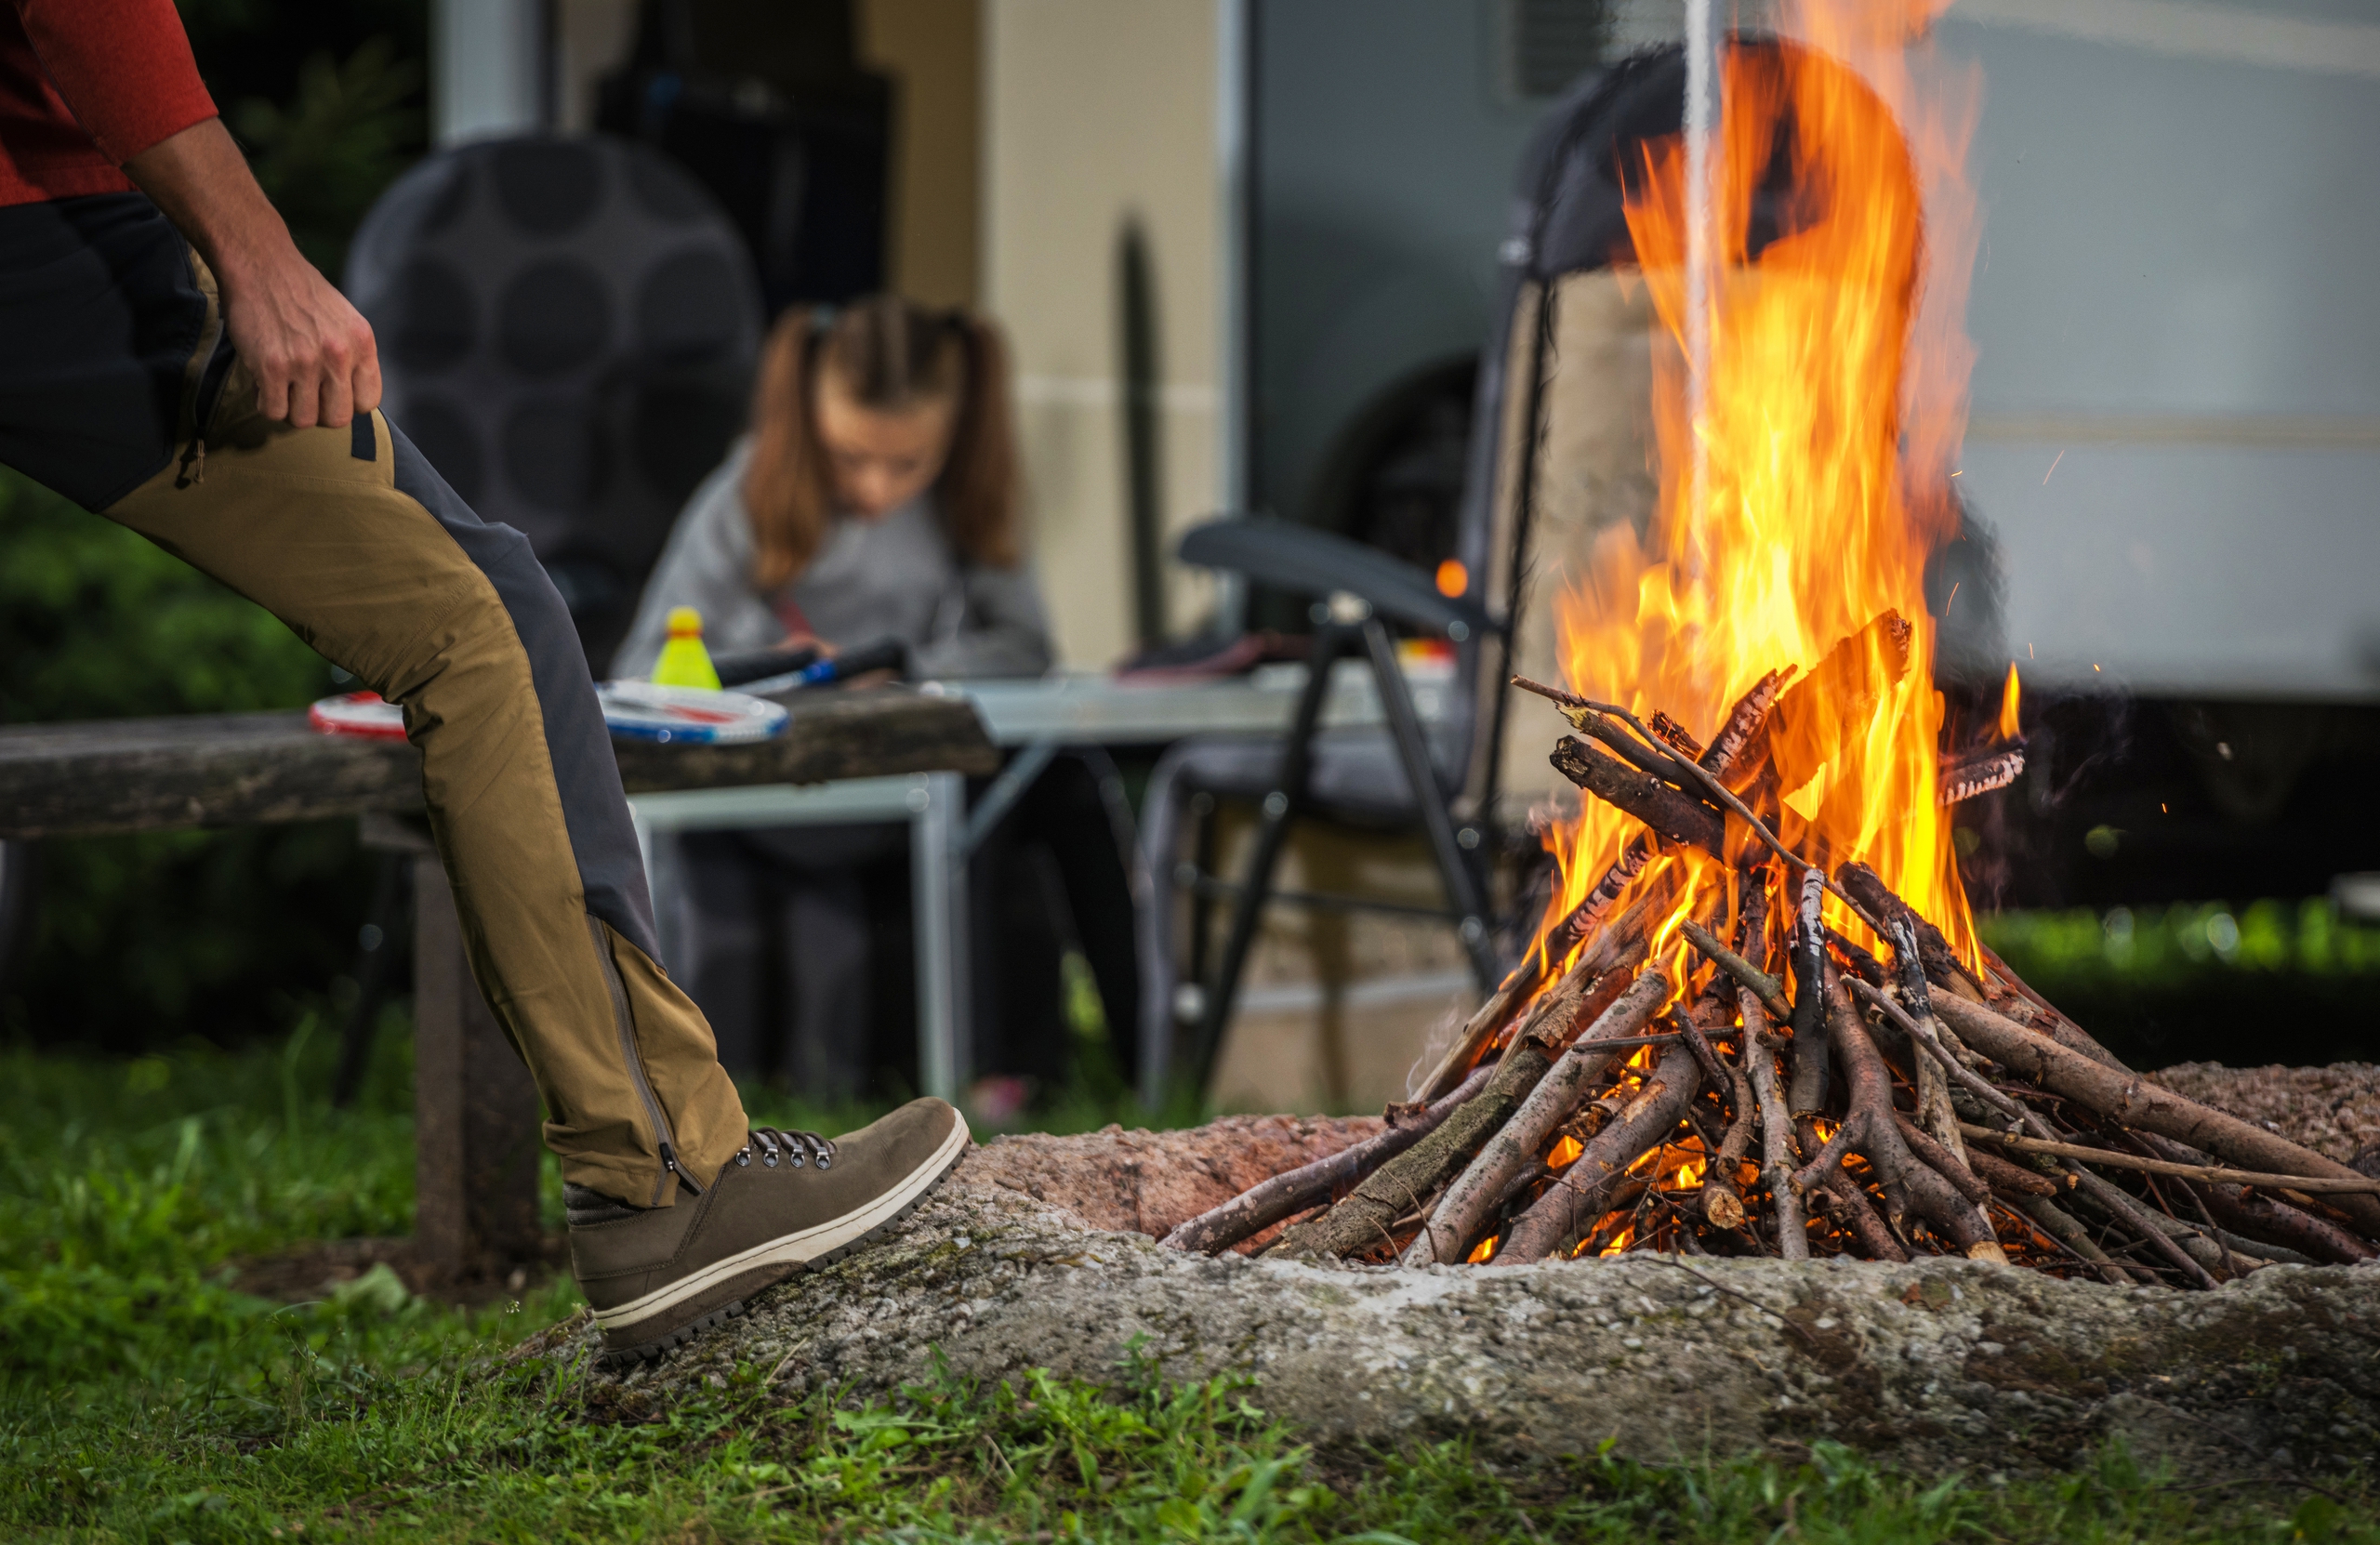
(2333, 1110)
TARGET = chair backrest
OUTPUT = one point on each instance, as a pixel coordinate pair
(1560, 417)
(568, 328)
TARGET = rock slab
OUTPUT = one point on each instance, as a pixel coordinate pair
(1934, 1365)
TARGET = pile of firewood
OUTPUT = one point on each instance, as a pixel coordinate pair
(1796, 1093)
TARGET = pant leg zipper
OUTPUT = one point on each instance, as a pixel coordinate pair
(620, 1017)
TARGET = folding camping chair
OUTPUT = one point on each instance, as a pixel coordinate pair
(1447, 776)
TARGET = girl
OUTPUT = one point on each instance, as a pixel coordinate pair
(876, 498)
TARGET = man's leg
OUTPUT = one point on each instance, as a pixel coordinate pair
(115, 346)
(111, 391)
(348, 535)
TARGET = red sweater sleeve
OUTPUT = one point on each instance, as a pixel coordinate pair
(123, 66)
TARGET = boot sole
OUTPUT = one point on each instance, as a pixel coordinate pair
(780, 1259)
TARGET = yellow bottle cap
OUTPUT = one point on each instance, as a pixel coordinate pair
(685, 623)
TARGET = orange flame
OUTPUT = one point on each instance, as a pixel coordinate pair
(1483, 1252)
(2009, 724)
(1565, 1153)
(1826, 436)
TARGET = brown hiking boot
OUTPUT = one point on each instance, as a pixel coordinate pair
(657, 1276)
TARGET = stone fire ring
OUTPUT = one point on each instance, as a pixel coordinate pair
(1036, 1252)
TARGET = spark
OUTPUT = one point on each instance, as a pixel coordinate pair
(1954, 595)
(2053, 467)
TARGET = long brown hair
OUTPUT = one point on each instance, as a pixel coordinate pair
(890, 355)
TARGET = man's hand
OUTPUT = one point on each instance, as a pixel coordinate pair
(312, 356)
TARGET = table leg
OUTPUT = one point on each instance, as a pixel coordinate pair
(475, 1110)
(938, 875)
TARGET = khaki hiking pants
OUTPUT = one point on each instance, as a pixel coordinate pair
(118, 389)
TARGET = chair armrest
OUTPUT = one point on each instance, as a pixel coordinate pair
(1313, 561)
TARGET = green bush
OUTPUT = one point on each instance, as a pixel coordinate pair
(2270, 982)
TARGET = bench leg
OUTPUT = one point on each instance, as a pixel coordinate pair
(475, 1110)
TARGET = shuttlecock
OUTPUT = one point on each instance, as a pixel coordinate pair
(684, 662)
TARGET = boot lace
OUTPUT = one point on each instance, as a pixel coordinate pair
(775, 1147)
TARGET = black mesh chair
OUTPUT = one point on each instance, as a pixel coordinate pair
(1402, 774)
(1569, 221)
(567, 332)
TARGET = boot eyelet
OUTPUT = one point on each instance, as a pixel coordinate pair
(744, 1160)
(770, 1159)
(797, 1161)
(824, 1159)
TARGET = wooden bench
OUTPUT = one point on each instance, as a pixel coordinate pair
(476, 1113)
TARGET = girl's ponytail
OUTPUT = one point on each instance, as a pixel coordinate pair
(786, 485)
(978, 489)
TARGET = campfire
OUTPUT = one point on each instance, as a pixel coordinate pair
(1757, 1020)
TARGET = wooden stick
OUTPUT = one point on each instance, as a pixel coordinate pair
(1948, 1163)
(1878, 900)
(1398, 1187)
(2062, 1226)
(1622, 940)
(2211, 1174)
(1293, 1191)
(1869, 1128)
(1463, 1215)
(2264, 1219)
(1582, 1193)
(1806, 1095)
(2003, 1176)
(1672, 816)
(1766, 990)
(1934, 1111)
(1573, 705)
(1723, 1199)
(1975, 1083)
(1778, 1158)
(2132, 1102)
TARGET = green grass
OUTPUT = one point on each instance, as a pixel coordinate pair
(144, 1398)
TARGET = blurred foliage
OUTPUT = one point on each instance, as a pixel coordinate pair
(138, 939)
(326, 100)
(2271, 982)
(2177, 945)
(326, 155)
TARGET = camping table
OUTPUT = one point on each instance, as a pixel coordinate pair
(476, 1110)
(1034, 718)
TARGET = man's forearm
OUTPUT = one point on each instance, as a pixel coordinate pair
(203, 183)
(312, 355)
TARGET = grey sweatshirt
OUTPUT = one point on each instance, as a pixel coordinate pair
(897, 576)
